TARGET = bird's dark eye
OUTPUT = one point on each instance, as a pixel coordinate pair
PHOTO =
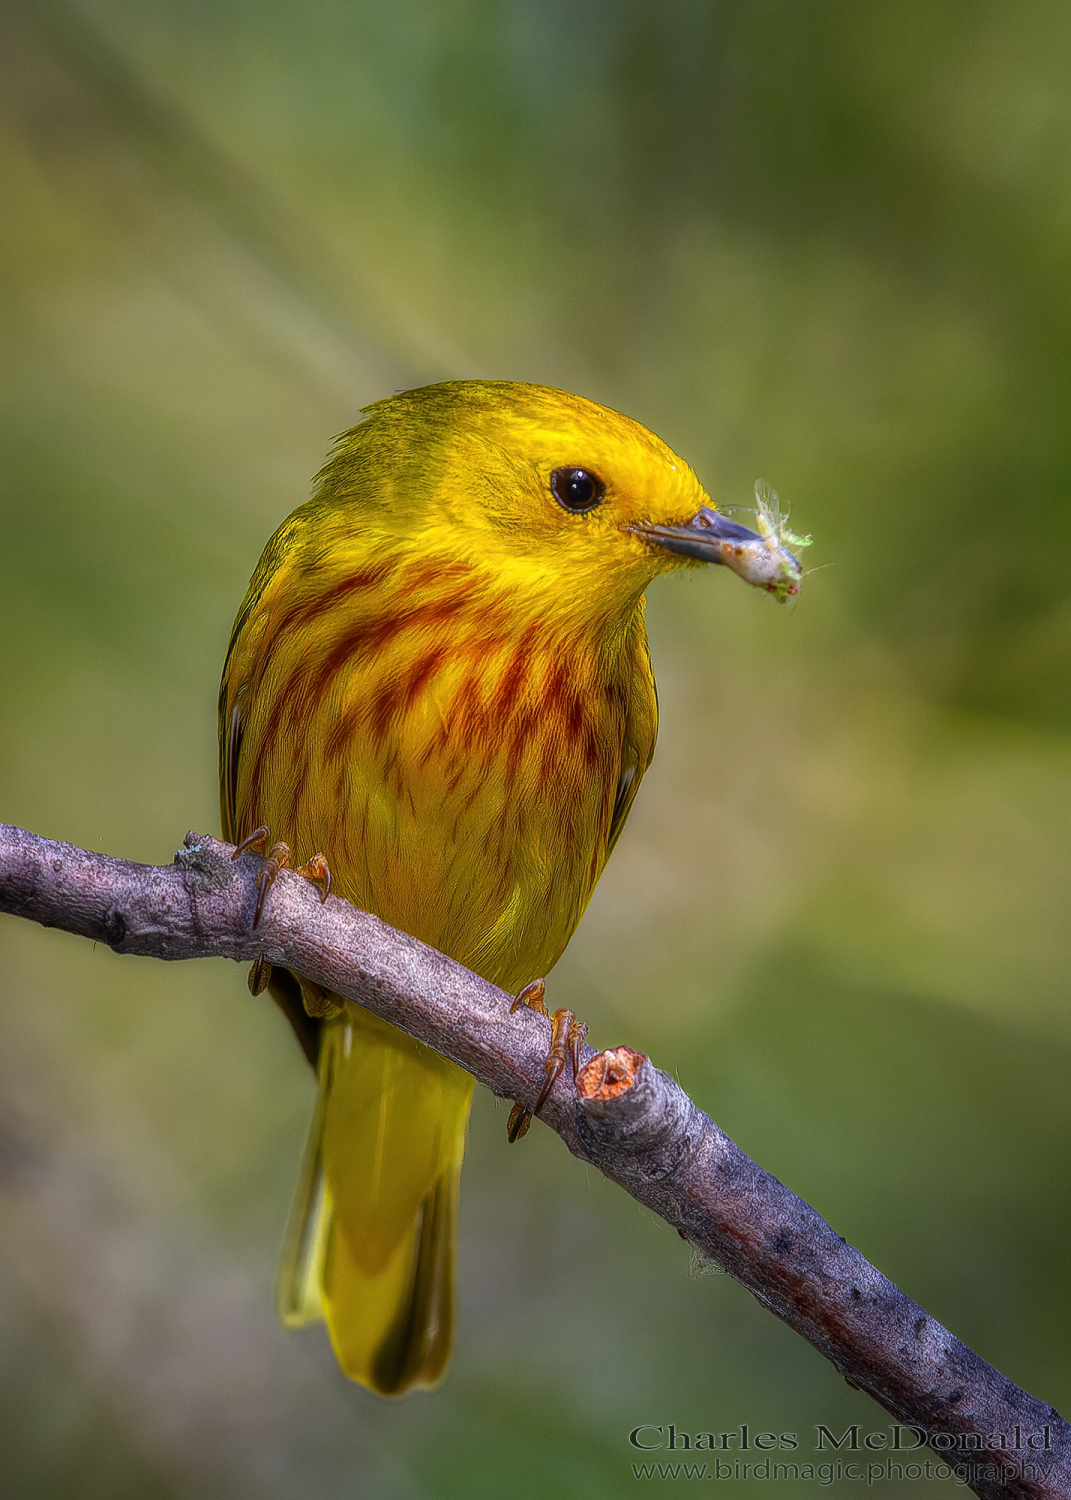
(576, 489)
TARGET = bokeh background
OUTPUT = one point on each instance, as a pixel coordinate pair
(824, 242)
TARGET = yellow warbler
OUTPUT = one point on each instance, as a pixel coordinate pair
(439, 678)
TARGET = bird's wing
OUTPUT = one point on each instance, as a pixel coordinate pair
(231, 726)
(230, 748)
(234, 705)
(641, 730)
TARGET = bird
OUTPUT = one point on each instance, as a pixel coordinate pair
(438, 700)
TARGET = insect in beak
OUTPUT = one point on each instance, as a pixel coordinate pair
(760, 557)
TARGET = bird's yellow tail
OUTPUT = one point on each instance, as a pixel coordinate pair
(370, 1243)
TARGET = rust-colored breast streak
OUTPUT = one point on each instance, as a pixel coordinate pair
(456, 763)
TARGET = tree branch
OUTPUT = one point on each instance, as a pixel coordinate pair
(623, 1116)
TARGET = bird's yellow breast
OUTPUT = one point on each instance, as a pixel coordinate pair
(458, 760)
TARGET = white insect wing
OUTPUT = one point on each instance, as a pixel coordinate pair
(774, 566)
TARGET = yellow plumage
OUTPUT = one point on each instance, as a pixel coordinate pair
(440, 679)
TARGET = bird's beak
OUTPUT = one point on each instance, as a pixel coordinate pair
(762, 560)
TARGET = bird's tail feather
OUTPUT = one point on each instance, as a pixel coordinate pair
(369, 1246)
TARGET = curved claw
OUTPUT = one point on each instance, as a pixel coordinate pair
(532, 996)
(318, 871)
(257, 840)
(259, 976)
(517, 1124)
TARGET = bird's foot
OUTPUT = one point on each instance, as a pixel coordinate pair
(276, 857)
(566, 1040)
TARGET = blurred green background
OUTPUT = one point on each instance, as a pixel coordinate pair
(823, 242)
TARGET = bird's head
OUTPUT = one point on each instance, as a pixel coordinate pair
(562, 500)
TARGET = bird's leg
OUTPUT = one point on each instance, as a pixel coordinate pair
(277, 857)
(566, 1039)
